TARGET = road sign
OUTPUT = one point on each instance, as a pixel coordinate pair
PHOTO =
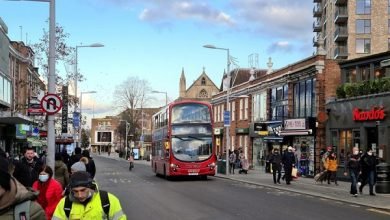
(51, 104)
(226, 118)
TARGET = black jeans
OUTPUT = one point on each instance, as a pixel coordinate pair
(276, 168)
(332, 175)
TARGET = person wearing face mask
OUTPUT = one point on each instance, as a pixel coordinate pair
(368, 164)
(276, 161)
(354, 169)
(50, 190)
(86, 202)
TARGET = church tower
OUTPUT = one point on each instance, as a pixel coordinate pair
(182, 85)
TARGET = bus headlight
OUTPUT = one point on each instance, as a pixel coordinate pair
(211, 166)
(174, 166)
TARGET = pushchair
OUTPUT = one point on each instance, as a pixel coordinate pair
(244, 166)
(320, 177)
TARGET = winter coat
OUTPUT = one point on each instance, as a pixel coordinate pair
(276, 160)
(232, 158)
(368, 163)
(331, 164)
(61, 173)
(288, 159)
(91, 168)
(50, 193)
(353, 164)
(27, 173)
(92, 210)
(17, 195)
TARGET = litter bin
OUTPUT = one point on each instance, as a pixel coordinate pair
(221, 166)
(382, 178)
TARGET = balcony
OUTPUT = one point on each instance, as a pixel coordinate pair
(341, 34)
(341, 52)
(341, 15)
(317, 26)
(315, 42)
(340, 2)
(317, 11)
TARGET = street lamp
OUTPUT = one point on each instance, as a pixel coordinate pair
(77, 78)
(166, 95)
(50, 79)
(127, 131)
(227, 112)
(81, 108)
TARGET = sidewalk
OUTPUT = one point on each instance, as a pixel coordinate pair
(302, 185)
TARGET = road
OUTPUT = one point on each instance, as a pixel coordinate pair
(145, 196)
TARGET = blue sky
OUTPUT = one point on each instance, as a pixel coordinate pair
(155, 39)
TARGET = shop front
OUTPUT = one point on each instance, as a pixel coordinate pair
(299, 134)
(360, 122)
(265, 138)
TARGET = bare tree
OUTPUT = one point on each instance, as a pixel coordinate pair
(131, 96)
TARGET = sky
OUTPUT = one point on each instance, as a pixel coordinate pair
(155, 40)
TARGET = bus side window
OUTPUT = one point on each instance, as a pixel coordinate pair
(167, 153)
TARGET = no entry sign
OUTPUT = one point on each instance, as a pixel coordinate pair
(51, 104)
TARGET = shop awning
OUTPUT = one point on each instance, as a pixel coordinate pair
(295, 132)
(16, 118)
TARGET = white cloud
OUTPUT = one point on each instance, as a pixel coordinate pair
(283, 46)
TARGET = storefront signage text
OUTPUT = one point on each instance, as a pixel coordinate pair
(374, 114)
(299, 123)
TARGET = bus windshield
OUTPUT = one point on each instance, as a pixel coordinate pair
(190, 113)
(191, 148)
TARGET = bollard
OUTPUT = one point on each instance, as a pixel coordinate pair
(382, 178)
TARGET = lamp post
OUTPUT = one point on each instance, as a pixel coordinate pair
(227, 112)
(81, 108)
(166, 95)
(127, 131)
(50, 80)
(77, 78)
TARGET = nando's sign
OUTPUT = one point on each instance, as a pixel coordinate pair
(376, 113)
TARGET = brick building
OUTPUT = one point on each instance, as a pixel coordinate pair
(276, 109)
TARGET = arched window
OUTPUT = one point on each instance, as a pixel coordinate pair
(203, 94)
(203, 81)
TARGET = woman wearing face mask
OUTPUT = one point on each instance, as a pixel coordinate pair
(368, 164)
(50, 191)
(353, 166)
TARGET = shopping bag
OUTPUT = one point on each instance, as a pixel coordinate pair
(294, 172)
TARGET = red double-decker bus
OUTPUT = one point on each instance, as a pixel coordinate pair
(182, 140)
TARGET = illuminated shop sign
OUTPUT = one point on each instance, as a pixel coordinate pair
(376, 113)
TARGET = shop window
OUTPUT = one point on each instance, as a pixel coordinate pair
(345, 143)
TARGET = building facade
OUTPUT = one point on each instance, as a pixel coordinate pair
(351, 29)
(358, 117)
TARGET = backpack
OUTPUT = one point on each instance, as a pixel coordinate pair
(103, 198)
(22, 211)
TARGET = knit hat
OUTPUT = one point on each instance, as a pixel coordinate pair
(81, 178)
(78, 166)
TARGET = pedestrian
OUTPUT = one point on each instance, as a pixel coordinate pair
(14, 196)
(61, 170)
(27, 169)
(79, 166)
(232, 161)
(75, 157)
(325, 155)
(288, 161)
(331, 167)
(368, 164)
(50, 191)
(84, 193)
(131, 161)
(91, 168)
(276, 162)
(353, 167)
